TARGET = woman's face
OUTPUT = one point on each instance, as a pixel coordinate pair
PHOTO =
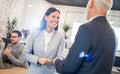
(52, 19)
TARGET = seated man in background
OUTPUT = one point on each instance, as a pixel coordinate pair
(12, 53)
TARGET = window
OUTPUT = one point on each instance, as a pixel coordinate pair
(117, 33)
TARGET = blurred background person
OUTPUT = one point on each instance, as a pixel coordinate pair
(13, 51)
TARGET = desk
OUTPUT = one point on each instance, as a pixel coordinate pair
(14, 70)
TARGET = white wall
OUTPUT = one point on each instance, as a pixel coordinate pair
(115, 17)
(11, 9)
(34, 14)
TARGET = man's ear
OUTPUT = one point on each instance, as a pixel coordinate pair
(91, 3)
(20, 38)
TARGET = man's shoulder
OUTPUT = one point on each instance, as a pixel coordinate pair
(85, 25)
(21, 45)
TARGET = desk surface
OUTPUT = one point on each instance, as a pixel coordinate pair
(14, 70)
(19, 70)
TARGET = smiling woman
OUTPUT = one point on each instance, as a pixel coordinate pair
(42, 46)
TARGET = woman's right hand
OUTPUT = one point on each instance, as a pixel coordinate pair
(44, 61)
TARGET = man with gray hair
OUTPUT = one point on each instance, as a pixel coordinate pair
(93, 51)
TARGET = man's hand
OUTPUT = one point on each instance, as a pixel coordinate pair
(44, 61)
(61, 58)
(7, 51)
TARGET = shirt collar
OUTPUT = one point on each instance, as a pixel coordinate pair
(94, 17)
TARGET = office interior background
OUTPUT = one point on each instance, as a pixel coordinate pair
(28, 14)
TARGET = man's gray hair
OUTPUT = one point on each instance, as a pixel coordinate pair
(104, 4)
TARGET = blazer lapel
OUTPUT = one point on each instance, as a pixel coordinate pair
(40, 43)
(50, 44)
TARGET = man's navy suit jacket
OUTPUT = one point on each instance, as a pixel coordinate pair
(92, 52)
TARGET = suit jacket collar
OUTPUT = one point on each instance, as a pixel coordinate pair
(97, 17)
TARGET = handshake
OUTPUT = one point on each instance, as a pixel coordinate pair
(46, 61)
